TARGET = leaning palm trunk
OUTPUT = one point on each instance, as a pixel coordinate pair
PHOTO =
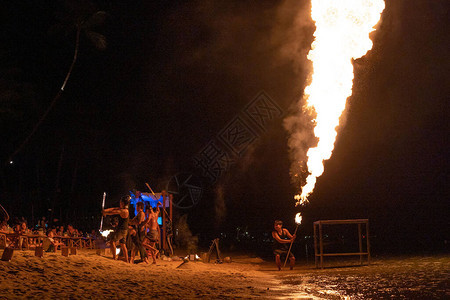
(58, 95)
(75, 55)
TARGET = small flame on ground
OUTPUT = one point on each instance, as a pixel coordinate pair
(342, 34)
(188, 257)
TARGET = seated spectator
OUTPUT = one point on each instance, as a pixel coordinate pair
(50, 244)
(43, 223)
(71, 231)
(17, 241)
(60, 231)
(24, 228)
(4, 228)
(16, 228)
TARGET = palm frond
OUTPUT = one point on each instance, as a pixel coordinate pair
(97, 39)
(95, 20)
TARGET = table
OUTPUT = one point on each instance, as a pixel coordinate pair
(319, 252)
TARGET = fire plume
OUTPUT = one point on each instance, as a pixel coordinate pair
(342, 34)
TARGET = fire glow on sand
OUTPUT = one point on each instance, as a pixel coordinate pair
(342, 34)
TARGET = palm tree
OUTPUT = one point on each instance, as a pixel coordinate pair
(81, 17)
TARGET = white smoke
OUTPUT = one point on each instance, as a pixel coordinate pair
(184, 237)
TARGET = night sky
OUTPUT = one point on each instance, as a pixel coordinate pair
(174, 75)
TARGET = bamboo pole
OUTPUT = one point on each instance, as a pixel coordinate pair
(287, 255)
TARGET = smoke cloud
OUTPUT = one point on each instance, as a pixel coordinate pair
(301, 138)
(221, 54)
(184, 237)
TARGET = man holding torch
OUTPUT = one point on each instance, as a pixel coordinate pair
(281, 240)
(120, 233)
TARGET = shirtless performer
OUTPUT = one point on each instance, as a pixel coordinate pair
(153, 233)
(139, 223)
(120, 234)
(281, 239)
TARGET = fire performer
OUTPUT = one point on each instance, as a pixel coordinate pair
(281, 239)
(120, 234)
(153, 233)
(139, 223)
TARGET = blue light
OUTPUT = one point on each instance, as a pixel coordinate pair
(147, 198)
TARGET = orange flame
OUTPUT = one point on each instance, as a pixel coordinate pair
(105, 233)
(342, 34)
(298, 219)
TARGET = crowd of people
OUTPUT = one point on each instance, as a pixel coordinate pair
(20, 227)
(137, 235)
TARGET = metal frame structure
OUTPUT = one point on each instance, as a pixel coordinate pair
(319, 252)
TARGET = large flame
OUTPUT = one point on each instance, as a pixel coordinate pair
(342, 34)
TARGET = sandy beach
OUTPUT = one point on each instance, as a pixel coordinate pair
(88, 275)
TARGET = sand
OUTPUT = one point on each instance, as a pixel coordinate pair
(88, 275)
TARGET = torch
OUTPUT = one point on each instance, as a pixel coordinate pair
(298, 221)
(103, 207)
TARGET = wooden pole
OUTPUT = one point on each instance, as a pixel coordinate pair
(360, 244)
(164, 243)
(321, 245)
(287, 255)
(368, 243)
(315, 245)
(171, 209)
(151, 190)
